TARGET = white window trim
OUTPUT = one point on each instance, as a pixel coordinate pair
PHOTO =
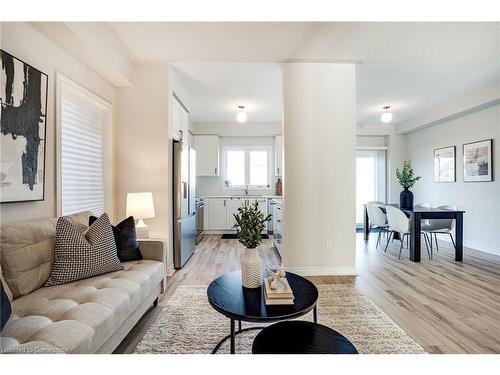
(64, 83)
(247, 148)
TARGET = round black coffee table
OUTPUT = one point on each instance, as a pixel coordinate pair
(227, 296)
(300, 337)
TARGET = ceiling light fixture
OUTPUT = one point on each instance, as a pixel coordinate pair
(386, 117)
(241, 116)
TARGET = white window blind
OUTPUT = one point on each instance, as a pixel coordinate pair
(83, 148)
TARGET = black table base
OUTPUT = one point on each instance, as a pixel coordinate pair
(233, 333)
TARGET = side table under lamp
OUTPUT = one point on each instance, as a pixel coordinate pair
(140, 206)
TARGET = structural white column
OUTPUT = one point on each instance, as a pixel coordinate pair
(320, 169)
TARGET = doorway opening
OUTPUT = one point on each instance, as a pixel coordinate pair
(371, 179)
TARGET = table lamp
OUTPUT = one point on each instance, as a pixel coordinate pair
(140, 206)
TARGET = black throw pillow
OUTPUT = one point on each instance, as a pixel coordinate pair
(4, 307)
(125, 239)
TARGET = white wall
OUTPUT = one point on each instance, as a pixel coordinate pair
(249, 129)
(370, 140)
(30, 45)
(142, 140)
(319, 157)
(480, 200)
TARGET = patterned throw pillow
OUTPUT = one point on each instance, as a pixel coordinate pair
(79, 256)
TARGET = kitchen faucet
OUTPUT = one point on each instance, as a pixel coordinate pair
(246, 189)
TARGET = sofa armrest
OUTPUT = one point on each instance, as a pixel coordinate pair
(155, 249)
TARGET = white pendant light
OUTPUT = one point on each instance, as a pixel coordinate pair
(386, 117)
(241, 116)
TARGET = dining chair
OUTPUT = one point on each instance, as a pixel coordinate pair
(399, 222)
(426, 221)
(377, 218)
(440, 226)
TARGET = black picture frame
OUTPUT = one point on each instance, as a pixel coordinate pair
(489, 156)
(44, 86)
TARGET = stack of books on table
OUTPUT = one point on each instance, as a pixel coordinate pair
(282, 295)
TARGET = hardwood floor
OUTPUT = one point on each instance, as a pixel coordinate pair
(446, 306)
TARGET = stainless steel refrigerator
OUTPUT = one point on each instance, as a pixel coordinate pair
(184, 183)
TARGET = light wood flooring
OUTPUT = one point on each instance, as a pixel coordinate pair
(446, 306)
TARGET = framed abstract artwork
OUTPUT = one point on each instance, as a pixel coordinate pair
(444, 164)
(478, 161)
(23, 119)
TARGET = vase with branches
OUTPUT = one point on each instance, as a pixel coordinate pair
(406, 178)
(250, 222)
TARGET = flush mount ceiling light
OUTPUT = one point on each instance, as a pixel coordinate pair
(386, 117)
(241, 116)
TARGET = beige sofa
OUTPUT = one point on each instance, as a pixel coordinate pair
(87, 316)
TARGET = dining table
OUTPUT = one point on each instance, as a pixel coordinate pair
(416, 215)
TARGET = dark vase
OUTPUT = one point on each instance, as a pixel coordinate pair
(406, 199)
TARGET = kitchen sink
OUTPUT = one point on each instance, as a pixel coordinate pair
(247, 196)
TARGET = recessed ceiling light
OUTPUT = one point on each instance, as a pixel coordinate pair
(386, 117)
(241, 116)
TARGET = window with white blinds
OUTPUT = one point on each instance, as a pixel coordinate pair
(84, 162)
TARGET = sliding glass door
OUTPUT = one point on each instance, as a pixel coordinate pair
(370, 179)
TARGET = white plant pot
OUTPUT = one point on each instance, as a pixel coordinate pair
(251, 268)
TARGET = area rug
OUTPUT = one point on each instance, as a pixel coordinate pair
(189, 325)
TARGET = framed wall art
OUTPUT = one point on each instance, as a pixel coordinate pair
(444, 164)
(23, 119)
(478, 161)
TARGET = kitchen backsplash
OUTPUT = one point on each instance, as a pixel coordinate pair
(214, 186)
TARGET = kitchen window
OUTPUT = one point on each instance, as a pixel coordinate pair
(246, 167)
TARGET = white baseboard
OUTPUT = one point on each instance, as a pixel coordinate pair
(323, 271)
(474, 245)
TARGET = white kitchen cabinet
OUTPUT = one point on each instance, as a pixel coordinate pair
(207, 155)
(232, 205)
(179, 122)
(206, 215)
(278, 155)
(218, 214)
(262, 205)
(278, 226)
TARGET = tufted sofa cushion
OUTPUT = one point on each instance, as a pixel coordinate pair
(27, 252)
(79, 317)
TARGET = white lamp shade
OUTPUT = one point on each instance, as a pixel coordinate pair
(241, 117)
(386, 117)
(140, 205)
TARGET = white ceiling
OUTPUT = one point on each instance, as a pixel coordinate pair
(409, 66)
(214, 42)
(216, 91)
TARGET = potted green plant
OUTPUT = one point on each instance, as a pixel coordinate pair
(250, 222)
(406, 179)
